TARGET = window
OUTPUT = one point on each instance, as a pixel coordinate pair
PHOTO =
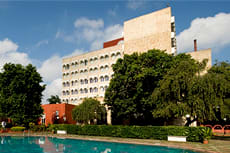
(91, 90)
(91, 80)
(102, 79)
(63, 92)
(106, 57)
(67, 92)
(76, 92)
(106, 78)
(95, 79)
(86, 81)
(102, 88)
(101, 68)
(95, 69)
(72, 92)
(118, 54)
(106, 67)
(82, 81)
(95, 89)
(86, 90)
(113, 56)
(72, 83)
(81, 91)
(64, 84)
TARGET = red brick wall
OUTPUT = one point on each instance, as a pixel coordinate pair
(112, 42)
(64, 109)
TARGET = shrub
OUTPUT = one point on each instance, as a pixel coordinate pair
(17, 128)
(140, 132)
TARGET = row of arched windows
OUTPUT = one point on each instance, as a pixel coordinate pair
(86, 81)
(91, 60)
(84, 90)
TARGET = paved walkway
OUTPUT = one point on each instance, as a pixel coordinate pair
(214, 146)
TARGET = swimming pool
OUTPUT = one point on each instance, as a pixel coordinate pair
(57, 145)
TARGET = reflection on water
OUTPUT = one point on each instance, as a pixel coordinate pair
(55, 145)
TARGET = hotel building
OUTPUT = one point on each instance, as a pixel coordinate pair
(88, 75)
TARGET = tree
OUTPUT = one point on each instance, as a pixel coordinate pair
(54, 99)
(20, 93)
(184, 91)
(129, 92)
(89, 111)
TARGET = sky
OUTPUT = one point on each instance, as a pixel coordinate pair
(44, 32)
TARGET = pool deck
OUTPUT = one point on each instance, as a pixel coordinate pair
(214, 146)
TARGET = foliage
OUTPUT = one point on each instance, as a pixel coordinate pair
(89, 111)
(135, 77)
(20, 93)
(17, 128)
(184, 91)
(54, 99)
(140, 132)
(206, 133)
(175, 95)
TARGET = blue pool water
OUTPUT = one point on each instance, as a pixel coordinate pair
(57, 145)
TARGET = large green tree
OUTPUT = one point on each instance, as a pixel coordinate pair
(20, 93)
(54, 99)
(184, 91)
(129, 92)
(89, 111)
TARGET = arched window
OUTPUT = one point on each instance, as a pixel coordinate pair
(72, 73)
(75, 82)
(101, 68)
(67, 92)
(76, 63)
(85, 61)
(67, 66)
(91, 90)
(118, 55)
(82, 81)
(106, 57)
(75, 91)
(64, 84)
(95, 69)
(113, 55)
(67, 101)
(72, 83)
(106, 67)
(91, 69)
(63, 75)
(82, 62)
(91, 60)
(72, 65)
(95, 79)
(86, 81)
(102, 88)
(64, 67)
(76, 72)
(106, 78)
(85, 71)
(81, 71)
(86, 90)
(81, 91)
(102, 57)
(72, 92)
(102, 79)
(91, 80)
(95, 89)
(67, 84)
(64, 93)
(95, 59)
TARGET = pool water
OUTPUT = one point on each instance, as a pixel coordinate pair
(57, 145)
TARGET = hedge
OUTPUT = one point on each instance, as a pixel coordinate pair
(17, 128)
(141, 132)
